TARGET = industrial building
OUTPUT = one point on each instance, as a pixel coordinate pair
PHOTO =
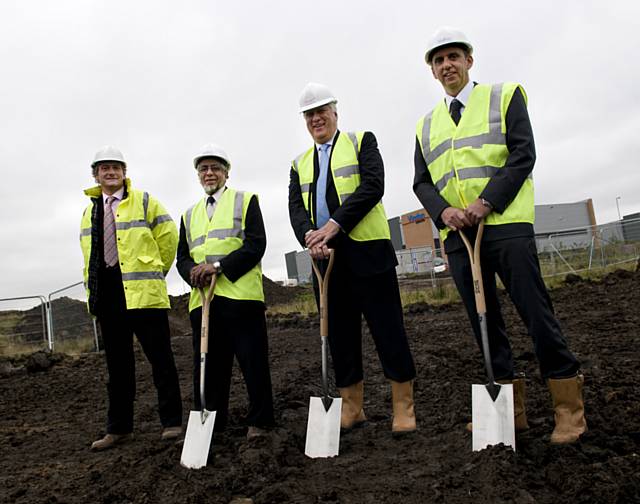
(416, 240)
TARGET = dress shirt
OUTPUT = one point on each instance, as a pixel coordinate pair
(463, 96)
(216, 197)
(117, 199)
(330, 144)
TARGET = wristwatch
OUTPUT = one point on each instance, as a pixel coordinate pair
(218, 267)
(486, 203)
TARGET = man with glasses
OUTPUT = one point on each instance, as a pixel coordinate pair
(223, 234)
(129, 243)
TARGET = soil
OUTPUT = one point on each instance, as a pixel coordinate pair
(53, 406)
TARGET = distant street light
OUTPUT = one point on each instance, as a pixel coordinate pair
(618, 206)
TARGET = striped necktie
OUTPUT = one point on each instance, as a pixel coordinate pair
(110, 245)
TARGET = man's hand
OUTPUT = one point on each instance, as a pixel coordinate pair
(201, 274)
(477, 211)
(316, 241)
(455, 218)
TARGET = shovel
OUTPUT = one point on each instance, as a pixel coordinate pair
(491, 404)
(323, 426)
(197, 439)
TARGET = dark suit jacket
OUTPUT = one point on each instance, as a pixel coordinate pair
(235, 264)
(502, 187)
(362, 258)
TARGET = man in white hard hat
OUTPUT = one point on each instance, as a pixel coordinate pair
(335, 193)
(223, 234)
(474, 158)
(129, 243)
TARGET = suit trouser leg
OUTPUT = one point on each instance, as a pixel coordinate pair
(380, 302)
(345, 327)
(499, 346)
(251, 347)
(117, 336)
(219, 363)
(151, 327)
(519, 270)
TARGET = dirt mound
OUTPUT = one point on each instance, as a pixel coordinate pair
(50, 417)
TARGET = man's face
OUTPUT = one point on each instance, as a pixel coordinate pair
(322, 123)
(110, 176)
(212, 173)
(450, 65)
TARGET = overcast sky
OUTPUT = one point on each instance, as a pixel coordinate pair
(160, 78)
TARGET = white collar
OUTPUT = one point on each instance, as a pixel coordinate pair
(117, 195)
(216, 195)
(463, 95)
(329, 143)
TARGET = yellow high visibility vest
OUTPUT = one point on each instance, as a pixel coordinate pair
(211, 240)
(346, 179)
(147, 240)
(461, 159)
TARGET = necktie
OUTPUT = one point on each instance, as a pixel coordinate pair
(455, 110)
(110, 246)
(322, 211)
(210, 201)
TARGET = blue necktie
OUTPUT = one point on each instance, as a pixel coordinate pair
(322, 211)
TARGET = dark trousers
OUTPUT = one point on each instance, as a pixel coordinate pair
(151, 327)
(242, 335)
(515, 261)
(377, 298)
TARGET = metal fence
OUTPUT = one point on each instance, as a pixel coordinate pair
(561, 252)
(58, 321)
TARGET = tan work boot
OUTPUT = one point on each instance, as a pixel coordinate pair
(404, 416)
(519, 409)
(569, 409)
(171, 433)
(352, 413)
(110, 440)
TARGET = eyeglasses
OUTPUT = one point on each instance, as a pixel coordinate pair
(212, 167)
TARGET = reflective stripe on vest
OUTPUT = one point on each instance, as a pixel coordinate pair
(345, 171)
(212, 240)
(462, 159)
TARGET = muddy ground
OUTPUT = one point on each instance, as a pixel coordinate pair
(51, 408)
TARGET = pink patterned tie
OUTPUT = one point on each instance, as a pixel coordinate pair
(110, 247)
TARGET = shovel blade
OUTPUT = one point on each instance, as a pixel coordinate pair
(493, 421)
(197, 440)
(323, 428)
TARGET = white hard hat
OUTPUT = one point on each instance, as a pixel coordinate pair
(108, 153)
(445, 36)
(211, 150)
(315, 95)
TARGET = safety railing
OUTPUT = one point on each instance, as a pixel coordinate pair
(54, 322)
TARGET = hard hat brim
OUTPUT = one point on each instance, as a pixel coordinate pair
(317, 104)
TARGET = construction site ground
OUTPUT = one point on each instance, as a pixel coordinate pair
(53, 406)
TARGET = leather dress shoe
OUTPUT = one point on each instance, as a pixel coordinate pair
(255, 432)
(171, 433)
(110, 440)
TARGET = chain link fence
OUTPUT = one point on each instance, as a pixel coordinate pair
(570, 251)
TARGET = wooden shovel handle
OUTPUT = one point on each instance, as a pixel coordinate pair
(476, 268)
(323, 287)
(206, 304)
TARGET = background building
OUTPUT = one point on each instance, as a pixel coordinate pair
(416, 240)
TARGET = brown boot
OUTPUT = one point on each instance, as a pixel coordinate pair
(110, 440)
(569, 409)
(404, 416)
(519, 410)
(352, 412)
